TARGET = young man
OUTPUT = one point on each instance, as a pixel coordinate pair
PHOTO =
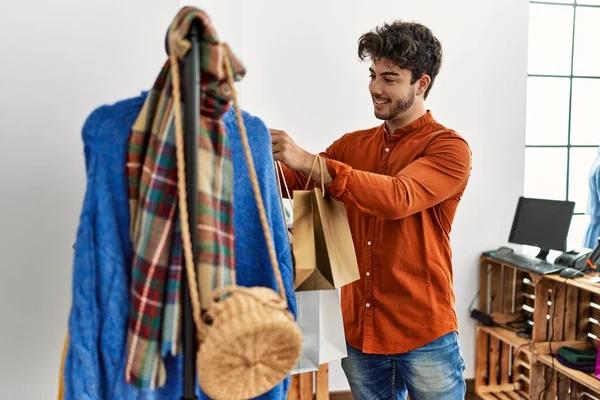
(401, 183)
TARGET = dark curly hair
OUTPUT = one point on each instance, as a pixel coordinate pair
(409, 45)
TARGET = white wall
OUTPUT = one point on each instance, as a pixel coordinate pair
(65, 58)
(60, 60)
(304, 76)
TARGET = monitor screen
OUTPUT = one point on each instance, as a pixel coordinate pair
(542, 223)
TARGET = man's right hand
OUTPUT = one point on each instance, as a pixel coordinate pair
(288, 152)
(296, 158)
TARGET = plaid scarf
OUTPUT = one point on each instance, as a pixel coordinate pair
(154, 320)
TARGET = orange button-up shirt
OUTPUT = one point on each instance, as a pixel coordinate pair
(401, 191)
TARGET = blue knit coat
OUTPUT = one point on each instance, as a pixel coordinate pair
(95, 362)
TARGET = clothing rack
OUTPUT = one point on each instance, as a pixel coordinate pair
(191, 98)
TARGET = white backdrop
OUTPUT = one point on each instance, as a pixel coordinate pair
(62, 59)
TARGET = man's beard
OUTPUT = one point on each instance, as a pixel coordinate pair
(398, 107)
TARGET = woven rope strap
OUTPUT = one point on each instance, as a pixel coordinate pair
(254, 180)
(181, 183)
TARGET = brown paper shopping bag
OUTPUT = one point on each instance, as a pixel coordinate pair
(322, 246)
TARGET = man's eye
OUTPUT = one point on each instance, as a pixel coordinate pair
(372, 76)
(389, 80)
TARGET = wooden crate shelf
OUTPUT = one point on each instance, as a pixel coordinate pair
(506, 292)
(562, 311)
(510, 395)
(560, 382)
(310, 385)
(505, 336)
(567, 374)
(503, 362)
(581, 283)
(556, 312)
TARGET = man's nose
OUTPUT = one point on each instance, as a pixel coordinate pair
(375, 88)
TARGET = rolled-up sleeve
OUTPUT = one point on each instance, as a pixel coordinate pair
(440, 173)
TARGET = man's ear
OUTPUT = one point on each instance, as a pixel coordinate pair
(422, 84)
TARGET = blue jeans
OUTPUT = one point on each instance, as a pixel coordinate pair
(431, 372)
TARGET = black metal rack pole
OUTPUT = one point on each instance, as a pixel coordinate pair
(191, 127)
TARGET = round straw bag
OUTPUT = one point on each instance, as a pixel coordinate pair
(249, 341)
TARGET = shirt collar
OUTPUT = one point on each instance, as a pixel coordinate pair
(410, 128)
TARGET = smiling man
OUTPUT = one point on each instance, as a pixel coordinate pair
(401, 183)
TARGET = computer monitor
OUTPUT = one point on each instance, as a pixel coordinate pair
(542, 223)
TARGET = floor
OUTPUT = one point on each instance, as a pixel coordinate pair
(348, 396)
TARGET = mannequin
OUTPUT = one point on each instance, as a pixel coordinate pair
(593, 207)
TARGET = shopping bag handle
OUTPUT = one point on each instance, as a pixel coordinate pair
(279, 173)
(312, 169)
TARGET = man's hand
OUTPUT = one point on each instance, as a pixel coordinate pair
(300, 160)
(288, 152)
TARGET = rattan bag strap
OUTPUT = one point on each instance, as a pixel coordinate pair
(185, 228)
(254, 180)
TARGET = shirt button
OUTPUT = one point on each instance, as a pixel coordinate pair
(368, 274)
(387, 149)
(368, 305)
(369, 243)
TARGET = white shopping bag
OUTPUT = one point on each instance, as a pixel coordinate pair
(320, 320)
